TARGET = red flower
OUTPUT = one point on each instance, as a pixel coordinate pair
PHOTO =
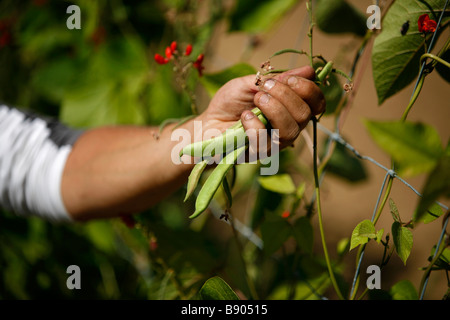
(160, 59)
(173, 46)
(188, 50)
(198, 64)
(285, 214)
(426, 24)
(168, 53)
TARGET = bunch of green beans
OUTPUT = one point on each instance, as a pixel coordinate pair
(230, 145)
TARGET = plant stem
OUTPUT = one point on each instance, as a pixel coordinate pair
(428, 270)
(434, 57)
(362, 248)
(250, 284)
(319, 212)
(310, 34)
(386, 196)
(414, 97)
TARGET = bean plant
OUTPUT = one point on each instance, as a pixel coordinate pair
(231, 233)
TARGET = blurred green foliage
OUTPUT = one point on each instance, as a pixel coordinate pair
(104, 74)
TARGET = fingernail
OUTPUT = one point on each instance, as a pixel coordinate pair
(292, 81)
(249, 116)
(269, 84)
(264, 99)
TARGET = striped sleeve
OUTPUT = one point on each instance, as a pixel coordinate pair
(33, 154)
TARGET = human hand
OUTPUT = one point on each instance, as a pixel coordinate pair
(288, 101)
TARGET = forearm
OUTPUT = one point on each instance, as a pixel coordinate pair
(121, 170)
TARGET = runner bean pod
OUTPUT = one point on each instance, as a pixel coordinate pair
(214, 181)
(222, 143)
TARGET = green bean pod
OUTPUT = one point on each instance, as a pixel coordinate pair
(327, 69)
(214, 181)
(227, 191)
(221, 143)
(194, 177)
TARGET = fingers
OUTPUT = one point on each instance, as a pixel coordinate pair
(289, 100)
(306, 72)
(280, 118)
(254, 128)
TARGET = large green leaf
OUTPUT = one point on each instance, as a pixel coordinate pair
(415, 147)
(256, 16)
(395, 57)
(338, 16)
(217, 289)
(403, 240)
(436, 185)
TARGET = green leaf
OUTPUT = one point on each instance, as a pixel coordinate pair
(217, 289)
(436, 185)
(280, 183)
(345, 165)
(443, 262)
(415, 147)
(338, 16)
(109, 89)
(214, 81)
(403, 240)
(379, 235)
(55, 77)
(404, 290)
(194, 177)
(394, 211)
(395, 58)
(362, 233)
(255, 16)
(304, 234)
(434, 212)
(274, 231)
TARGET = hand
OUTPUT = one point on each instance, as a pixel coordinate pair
(288, 101)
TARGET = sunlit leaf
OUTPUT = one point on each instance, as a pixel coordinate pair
(403, 240)
(415, 147)
(280, 183)
(362, 233)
